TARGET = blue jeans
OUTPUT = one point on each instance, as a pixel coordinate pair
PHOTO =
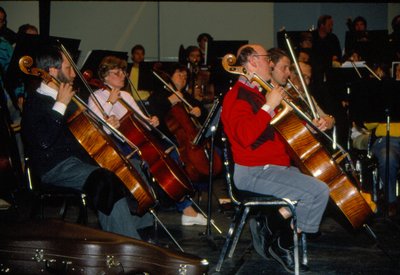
(73, 173)
(379, 150)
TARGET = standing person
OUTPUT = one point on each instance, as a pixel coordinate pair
(262, 164)
(325, 48)
(140, 74)
(394, 39)
(59, 159)
(204, 40)
(112, 73)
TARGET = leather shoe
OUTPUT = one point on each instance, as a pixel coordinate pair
(261, 235)
(285, 257)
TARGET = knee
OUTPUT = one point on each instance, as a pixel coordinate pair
(324, 191)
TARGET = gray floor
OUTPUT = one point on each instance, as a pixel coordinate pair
(338, 250)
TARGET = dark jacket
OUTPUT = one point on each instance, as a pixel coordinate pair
(45, 133)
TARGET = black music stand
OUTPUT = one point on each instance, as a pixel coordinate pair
(208, 130)
(377, 101)
(217, 50)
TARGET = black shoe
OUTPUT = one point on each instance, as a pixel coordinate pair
(285, 257)
(261, 235)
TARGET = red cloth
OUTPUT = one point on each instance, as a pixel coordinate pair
(244, 124)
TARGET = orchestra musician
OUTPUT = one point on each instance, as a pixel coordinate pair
(57, 157)
(112, 73)
(282, 69)
(262, 164)
(162, 100)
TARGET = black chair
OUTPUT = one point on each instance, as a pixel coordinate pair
(44, 192)
(244, 202)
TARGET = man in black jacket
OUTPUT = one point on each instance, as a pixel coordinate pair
(58, 158)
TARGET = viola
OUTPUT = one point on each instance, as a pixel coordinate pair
(167, 173)
(87, 128)
(311, 157)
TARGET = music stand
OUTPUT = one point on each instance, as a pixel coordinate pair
(208, 130)
(217, 50)
(370, 45)
(377, 101)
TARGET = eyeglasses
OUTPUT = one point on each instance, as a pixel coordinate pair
(118, 72)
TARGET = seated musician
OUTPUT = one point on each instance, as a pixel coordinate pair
(379, 150)
(282, 69)
(55, 154)
(199, 81)
(262, 164)
(162, 101)
(112, 73)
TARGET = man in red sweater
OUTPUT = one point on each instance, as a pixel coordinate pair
(262, 164)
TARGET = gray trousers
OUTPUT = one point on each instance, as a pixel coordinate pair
(287, 182)
(73, 173)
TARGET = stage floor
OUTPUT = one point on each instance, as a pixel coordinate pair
(337, 250)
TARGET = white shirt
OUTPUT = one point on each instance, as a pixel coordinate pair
(46, 90)
(116, 109)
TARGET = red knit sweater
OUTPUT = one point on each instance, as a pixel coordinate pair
(253, 140)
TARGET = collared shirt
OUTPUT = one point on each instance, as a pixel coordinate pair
(46, 90)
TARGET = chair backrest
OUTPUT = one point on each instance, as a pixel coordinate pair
(229, 169)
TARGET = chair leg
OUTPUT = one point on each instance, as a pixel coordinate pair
(304, 248)
(239, 231)
(83, 214)
(63, 209)
(228, 240)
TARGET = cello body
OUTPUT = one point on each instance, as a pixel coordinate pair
(194, 157)
(101, 148)
(313, 159)
(163, 168)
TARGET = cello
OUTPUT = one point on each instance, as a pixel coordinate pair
(195, 158)
(137, 130)
(87, 129)
(310, 156)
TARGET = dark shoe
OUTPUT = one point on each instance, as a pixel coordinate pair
(261, 235)
(285, 257)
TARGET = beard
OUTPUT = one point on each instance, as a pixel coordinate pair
(63, 78)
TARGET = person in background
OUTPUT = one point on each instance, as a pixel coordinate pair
(204, 40)
(326, 50)
(5, 32)
(140, 75)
